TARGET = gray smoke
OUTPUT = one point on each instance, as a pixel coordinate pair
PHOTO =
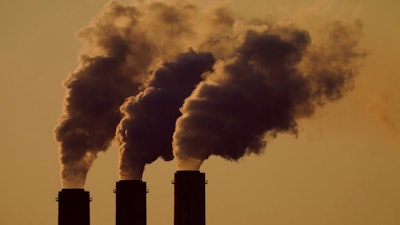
(244, 80)
(123, 44)
(274, 78)
(112, 67)
(145, 132)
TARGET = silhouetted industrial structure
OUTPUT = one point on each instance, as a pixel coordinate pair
(189, 206)
(130, 202)
(73, 207)
(190, 202)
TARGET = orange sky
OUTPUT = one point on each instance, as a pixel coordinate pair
(343, 168)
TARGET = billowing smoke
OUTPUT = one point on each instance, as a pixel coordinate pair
(275, 77)
(122, 45)
(145, 132)
(112, 67)
(242, 81)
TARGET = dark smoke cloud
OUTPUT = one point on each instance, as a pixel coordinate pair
(112, 67)
(145, 132)
(122, 45)
(274, 78)
(264, 79)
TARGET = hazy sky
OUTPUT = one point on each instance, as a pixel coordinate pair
(343, 168)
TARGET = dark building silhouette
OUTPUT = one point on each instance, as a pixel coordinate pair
(73, 207)
(190, 202)
(130, 202)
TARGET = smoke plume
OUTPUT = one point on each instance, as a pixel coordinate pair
(123, 44)
(240, 82)
(275, 77)
(145, 132)
(112, 67)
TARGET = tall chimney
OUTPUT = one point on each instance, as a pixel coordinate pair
(130, 202)
(190, 202)
(73, 207)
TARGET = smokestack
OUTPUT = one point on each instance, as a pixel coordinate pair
(130, 202)
(73, 207)
(190, 203)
